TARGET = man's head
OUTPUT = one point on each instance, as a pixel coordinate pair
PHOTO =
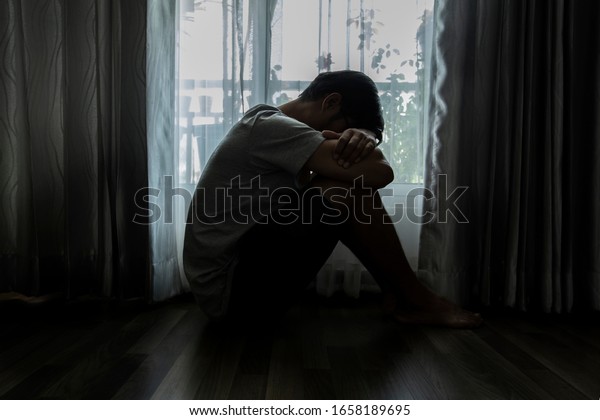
(351, 95)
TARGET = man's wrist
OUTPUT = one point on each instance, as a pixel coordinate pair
(375, 132)
(378, 135)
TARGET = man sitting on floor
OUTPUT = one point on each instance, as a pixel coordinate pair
(282, 188)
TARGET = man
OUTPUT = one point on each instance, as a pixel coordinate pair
(283, 187)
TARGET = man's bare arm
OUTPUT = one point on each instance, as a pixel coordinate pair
(374, 168)
(354, 145)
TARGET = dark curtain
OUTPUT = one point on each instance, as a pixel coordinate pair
(73, 147)
(516, 121)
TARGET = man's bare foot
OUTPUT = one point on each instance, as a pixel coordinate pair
(437, 312)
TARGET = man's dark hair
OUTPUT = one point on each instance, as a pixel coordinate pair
(360, 98)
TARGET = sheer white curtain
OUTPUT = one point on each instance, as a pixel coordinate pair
(233, 54)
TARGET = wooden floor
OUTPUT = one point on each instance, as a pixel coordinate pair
(324, 349)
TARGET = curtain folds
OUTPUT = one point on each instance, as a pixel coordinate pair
(73, 147)
(166, 227)
(95, 180)
(515, 121)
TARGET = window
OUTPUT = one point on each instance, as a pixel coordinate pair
(237, 53)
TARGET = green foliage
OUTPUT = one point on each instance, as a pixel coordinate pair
(378, 56)
(402, 144)
(402, 102)
(368, 26)
(324, 62)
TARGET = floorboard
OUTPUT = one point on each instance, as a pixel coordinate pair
(187, 373)
(285, 379)
(526, 362)
(570, 359)
(337, 349)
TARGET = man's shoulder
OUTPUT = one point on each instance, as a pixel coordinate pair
(261, 109)
(268, 119)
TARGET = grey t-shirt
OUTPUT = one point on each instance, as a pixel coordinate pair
(265, 151)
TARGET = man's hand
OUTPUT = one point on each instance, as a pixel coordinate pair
(353, 145)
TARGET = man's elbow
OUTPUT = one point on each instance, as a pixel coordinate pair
(388, 176)
(381, 176)
(380, 172)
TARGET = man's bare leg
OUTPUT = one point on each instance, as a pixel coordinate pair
(371, 236)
